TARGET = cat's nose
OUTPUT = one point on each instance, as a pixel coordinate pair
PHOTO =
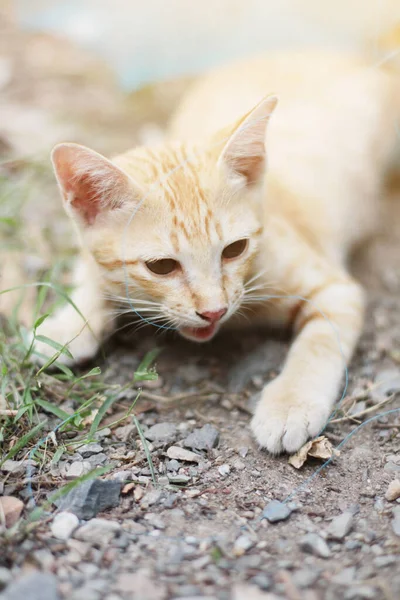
(212, 315)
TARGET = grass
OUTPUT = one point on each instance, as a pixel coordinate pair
(47, 411)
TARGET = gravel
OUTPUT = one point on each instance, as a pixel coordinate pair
(161, 432)
(63, 525)
(91, 497)
(315, 544)
(33, 586)
(341, 526)
(276, 511)
(98, 531)
(393, 491)
(178, 453)
(205, 438)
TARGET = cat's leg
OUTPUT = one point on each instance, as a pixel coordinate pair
(297, 404)
(83, 332)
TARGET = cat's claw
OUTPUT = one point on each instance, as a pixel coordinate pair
(286, 417)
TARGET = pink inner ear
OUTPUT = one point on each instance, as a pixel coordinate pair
(85, 198)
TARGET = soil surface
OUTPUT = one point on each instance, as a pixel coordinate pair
(200, 532)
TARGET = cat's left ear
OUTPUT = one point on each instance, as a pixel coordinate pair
(243, 156)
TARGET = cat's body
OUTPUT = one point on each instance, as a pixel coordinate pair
(219, 239)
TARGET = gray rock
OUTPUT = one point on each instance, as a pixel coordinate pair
(178, 453)
(224, 470)
(173, 465)
(345, 577)
(242, 544)
(140, 585)
(361, 592)
(243, 451)
(202, 439)
(161, 432)
(89, 449)
(396, 520)
(63, 525)
(385, 561)
(35, 586)
(77, 469)
(315, 544)
(179, 479)
(91, 497)
(98, 531)
(5, 577)
(151, 497)
(305, 578)
(97, 459)
(341, 526)
(276, 511)
(262, 581)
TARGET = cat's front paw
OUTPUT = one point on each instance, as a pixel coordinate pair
(287, 416)
(81, 342)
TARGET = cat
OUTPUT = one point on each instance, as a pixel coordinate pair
(258, 214)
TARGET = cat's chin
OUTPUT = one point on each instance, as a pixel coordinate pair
(199, 334)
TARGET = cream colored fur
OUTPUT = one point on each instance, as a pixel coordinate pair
(328, 145)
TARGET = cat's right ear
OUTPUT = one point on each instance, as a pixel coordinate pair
(90, 184)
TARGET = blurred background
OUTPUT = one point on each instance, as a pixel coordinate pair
(108, 73)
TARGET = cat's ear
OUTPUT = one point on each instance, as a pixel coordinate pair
(243, 157)
(91, 185)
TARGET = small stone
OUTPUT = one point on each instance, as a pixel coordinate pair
(140, 585)
(396, 520)
(89, 449)
(239, 465)
(202, 439)
(345, 577)
(243, 451)
(98, 531)
(387, 382)
(96, 460)
(315, 544)
(34, 585)
(250, 592)
(361, 592)
(161, 432)
(305, 578)
(77, 469)
(224, 470)
(17, 466)
(341, 526)
(276, 511)
(64, 523)
(242, 544)
(91, 497)
(262, 581)
(385, 561)
(155, 520)
(5, 577)
(179, 479)
(393, 491)
(178, 453)
(12, 508)
(151, 497)
(173, 465)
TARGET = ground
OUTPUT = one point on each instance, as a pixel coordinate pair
(193, 528)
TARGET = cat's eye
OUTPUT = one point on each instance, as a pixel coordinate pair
(235, 249)
(163, 266)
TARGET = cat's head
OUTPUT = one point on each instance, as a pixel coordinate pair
(175, 229)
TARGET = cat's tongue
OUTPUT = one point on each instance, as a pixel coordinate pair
(199, 334)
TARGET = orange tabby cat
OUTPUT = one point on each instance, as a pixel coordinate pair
(189, 232)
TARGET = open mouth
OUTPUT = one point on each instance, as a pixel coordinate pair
(199, 334)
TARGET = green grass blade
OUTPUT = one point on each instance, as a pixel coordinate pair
(22, 442)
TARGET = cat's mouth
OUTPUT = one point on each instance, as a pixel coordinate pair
(199, 334)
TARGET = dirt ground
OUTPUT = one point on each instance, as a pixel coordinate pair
(199, 532)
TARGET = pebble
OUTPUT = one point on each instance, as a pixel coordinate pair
(242, 544)
(345, 577)
(361, 592)
(202, 439)
(276, 511)
(77, 469)
(243, 451)
(33, 585)
(315, 544)
(91, 497)
(5, 577)
(183, 479)
(161, 432)
(393, 491)
(262, 581)
(341, 526)
(385, 561)
(17, 466)
(173, 465)
(305, 578)
(89, 449)
(63, 525)
(178, 453)
(224, 470)
(140, 585)
(11, 508)
(151, 497)
(396, 520)
(386, 383)
(98, 531)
